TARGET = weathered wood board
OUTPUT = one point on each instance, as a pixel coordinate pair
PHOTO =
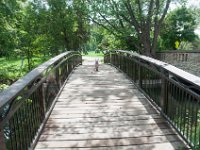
(105, 111)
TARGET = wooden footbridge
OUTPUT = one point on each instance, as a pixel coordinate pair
(133, 102)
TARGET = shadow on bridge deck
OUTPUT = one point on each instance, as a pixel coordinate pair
(104, 110)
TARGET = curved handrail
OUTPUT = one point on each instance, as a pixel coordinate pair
(25, 104)
(20, 84)
(174, 92)
(193, 79)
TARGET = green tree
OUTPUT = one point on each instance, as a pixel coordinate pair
(178, 26)
(101, 39)
(8, 11)
(68, 25)
(35, 28)
(136, 21)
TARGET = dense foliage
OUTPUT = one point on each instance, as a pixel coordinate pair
(179, 26)
(40, 29)
(137, 22)
(33, 30)
(145, 26)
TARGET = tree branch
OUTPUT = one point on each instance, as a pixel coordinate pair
(105, 27)
(150, 12)
(158, 23)
(134, 22)
(140, 12)
(165, 11)
(114, 27)
(149, 22)
(116, 10)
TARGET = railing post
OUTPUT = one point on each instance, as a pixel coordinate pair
(2, 139)
(57, 74)
(81, 59)
(43, 103)
(112, 58)
(67, 69)
(140, 75)
(134, 71)
(120, 61)
(76, 60)
(69, 66)
(164, 94)
(117, 60)
(72, 62)
(108, 57)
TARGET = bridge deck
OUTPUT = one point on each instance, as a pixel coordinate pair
(104, 110)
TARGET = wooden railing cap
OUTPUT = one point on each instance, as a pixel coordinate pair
(12, 91)
(193, 79)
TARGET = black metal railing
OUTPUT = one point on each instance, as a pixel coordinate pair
(173, 91)
(25, 105)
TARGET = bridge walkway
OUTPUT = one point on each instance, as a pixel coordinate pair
(104, 111)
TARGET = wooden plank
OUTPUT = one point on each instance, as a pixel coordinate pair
(128, 112)
(64, 95)
(101, 90)
(61, 124)
(102, 106)
(102, 110)
(99, 87)
(102, 136)
(108, 129)
(108, 112)
(137, 107)
(97, 115)
(108, 142)
(154, 146)
(105, 119)
(100, 81)
(100, 103)
(112, 98)
(81, 86)
(91, 103)
(102, 120)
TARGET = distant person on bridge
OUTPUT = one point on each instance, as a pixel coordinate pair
(96, 64)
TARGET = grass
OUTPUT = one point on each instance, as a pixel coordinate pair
(93, 54)
(12, 69)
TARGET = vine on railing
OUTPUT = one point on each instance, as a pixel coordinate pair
(25, 105)
(173, 91)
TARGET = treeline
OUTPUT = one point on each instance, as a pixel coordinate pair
(47, 27)
(145, 26)
(32, 28)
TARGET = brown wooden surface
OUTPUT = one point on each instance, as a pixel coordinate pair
(105, 111)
